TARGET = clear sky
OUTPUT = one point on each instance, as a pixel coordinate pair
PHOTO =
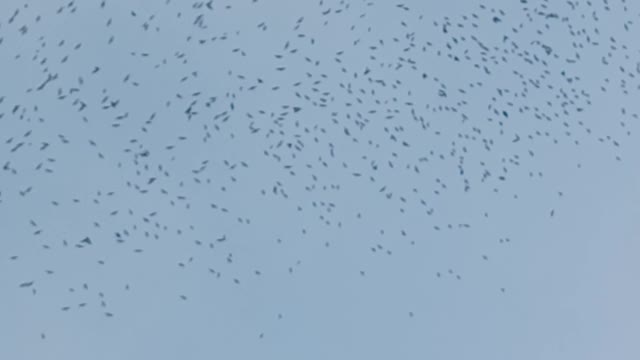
(319, 180)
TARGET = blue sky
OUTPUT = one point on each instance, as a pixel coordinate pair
(318, 180)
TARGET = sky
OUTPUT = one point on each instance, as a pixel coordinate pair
(319, 180)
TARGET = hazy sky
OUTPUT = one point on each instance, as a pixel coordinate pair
(281, 179)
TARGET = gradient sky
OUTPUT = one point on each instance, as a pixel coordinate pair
(559, 233)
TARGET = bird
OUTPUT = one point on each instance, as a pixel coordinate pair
(26, 284)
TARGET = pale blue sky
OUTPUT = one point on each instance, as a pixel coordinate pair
(296, 276)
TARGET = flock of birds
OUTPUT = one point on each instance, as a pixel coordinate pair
(231, 144)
